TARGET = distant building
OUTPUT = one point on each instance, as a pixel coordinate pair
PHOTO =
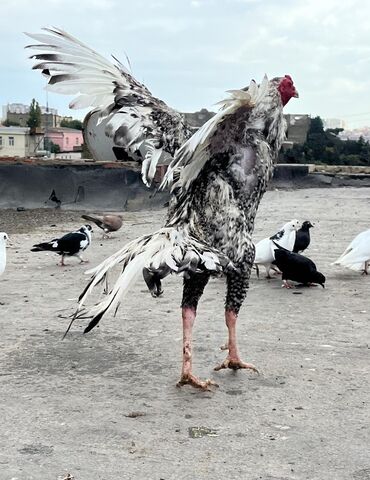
(68, 139)
(334, 123)
(19, 114)
(297, 128)
(19, 142)
(356, 134)
(197, 119)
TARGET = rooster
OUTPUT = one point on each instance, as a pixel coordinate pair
(216, 178)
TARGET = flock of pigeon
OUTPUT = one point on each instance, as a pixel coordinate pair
(281, 253)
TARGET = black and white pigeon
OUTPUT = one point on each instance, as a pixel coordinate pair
(302, 239)
(297, 268)
(108, 223)
(70, 245)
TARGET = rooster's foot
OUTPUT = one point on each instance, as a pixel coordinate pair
(235, 364)
(190, 379)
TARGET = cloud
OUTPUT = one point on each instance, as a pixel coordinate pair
(190, 51)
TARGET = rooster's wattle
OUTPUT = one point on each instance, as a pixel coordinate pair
(217, 178)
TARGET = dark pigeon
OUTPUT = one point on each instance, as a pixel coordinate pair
(296, 267)
(302, 239)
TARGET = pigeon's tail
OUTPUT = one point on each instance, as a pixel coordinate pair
(95, 220)
(353, 262)
(169, 250)
(45, 247)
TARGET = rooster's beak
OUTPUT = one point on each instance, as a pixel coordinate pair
(296, 95)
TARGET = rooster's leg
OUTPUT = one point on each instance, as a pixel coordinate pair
(237, 286)
(193, 289)
(233, 360)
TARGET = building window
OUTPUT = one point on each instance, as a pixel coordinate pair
(11, 141)
(1, 141)
(67, 140)
(77, 141)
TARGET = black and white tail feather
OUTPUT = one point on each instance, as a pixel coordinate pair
(169, 250)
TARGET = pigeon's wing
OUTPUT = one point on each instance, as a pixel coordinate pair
(294, 266)
(356, 251)
(72, 243)
(264, 252)
(112, 222)
(144, 126)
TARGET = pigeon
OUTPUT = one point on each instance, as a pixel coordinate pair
(55, 199)
(296, 267)
(357, 255)
(265, 248)
(3, 238)
(108, 223)
(302, 239)
(70, 245)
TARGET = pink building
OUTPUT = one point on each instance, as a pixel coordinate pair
(68, 139)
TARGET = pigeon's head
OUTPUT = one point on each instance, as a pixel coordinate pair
(4, 237)
(293, 225)
(318, 278)
(86, 229)
(287, 89)
(306, 225)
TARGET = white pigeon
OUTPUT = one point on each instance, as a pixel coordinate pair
(357, 255)
(3, 238)
(285, 237)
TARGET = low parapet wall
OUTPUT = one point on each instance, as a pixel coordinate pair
(92, 187)
(104, 186)
(309, 176)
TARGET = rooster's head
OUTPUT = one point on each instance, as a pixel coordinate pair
(286, 89)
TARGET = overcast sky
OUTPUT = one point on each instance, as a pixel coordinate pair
(188, 52)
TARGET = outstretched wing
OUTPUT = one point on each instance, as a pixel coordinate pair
(133, 118)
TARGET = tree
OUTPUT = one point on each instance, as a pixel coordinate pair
(325, 147)
(74, 123)
(34, 120)
(316, 125)
(51, 146)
